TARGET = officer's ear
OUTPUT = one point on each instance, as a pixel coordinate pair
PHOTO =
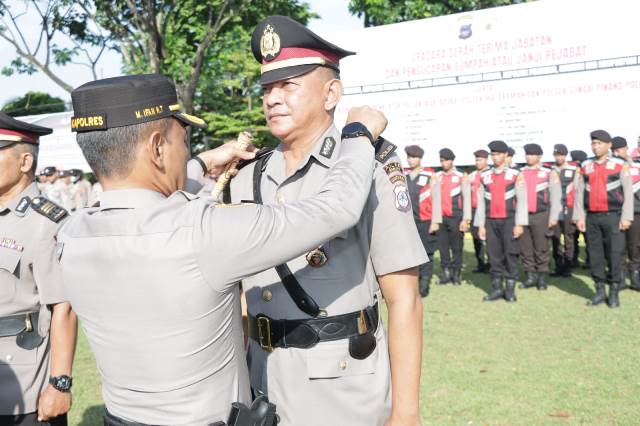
(332, 92)
(27, 161)
(156, 146)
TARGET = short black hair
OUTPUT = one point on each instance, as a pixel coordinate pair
(111, 152)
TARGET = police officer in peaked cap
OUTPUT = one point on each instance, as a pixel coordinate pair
(315, 378)
(161, 309)
(37, 326)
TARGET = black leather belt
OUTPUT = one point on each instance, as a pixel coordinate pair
(270, 333)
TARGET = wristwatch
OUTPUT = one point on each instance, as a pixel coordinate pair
(355, 130)
(61, 383)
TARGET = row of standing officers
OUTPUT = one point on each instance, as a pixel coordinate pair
(525, 214)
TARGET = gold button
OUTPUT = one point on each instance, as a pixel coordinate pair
(267, 296)
(9, 358)
(343, 365)
(281, 199)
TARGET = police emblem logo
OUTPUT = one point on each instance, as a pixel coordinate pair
(403, 203)
(317, 258)
(269, 43)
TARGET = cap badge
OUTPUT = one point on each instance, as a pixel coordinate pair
(269, 43)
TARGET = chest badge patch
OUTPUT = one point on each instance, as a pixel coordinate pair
(10, 244)
(23, 204)
(317, 258)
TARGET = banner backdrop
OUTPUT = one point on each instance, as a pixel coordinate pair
(547, 72)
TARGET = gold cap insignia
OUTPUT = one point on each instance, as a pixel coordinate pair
(269, 43)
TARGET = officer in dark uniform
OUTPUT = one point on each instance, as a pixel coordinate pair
(563, 239)
(37, 326)
(425, 202)
(455, 201)
(500, 217)
(543, 202)
(482, 165)
(620, 149)
(604, 209)
(577, 157)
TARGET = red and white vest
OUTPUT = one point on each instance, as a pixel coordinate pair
(537, 182)
(603, 184)
(500, 192)
(451, 192)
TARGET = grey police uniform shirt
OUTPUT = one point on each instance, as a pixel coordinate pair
(324, 384)
(152, 281)
(27, 284)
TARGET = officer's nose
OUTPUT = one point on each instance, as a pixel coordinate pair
(272, 96)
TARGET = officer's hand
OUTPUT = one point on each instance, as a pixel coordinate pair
(373, 120)
(517, 231)
(433, 228)
(53, 403)
(216, 159)
(552, 223)
(582, 227)
(624, 224)
(482, 233)
(464, 226)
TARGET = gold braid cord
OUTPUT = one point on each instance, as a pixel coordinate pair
(243, 142)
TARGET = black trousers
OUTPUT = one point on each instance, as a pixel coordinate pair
(450, 242)
(606, 246)
(430, 243)
(478, 244)
(502, 248)
(534, 243)
(564, 232)
(31, 419)
(633, 243)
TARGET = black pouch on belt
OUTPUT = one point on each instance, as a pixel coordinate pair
(363, 344)
(29, 338)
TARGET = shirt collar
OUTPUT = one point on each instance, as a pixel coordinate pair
(129, 198)
(324, 150)
(30, 191)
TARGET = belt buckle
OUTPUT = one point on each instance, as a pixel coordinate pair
(27, 322)
(264, 324)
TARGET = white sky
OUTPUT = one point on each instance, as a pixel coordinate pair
(334, 17)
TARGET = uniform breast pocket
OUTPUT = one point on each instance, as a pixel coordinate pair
(9, 262)
(340, 255)
(332, 359)
(12, 354)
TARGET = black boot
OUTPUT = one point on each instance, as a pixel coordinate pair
(479, 269)
(497, 292)
(424, 286)
(613, 301)
(455, 277)
(635, 280)
(599, 297)
(445, 278)
(531, 281)
(510, 291)
(542, 280)
(566, 268)
(559, 269)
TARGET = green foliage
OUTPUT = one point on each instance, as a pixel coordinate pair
(33, 103)
(18, 65)
(381, 12)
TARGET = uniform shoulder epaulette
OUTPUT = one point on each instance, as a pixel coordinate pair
(383, 149)
(487, 172)
(187, 195)
(262, 152)
(48, 209)
(618, 160)
(515, 171)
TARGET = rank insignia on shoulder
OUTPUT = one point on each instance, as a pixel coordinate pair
(383, 149)
(23, 204)
(392, 168)
(328, 146)
(48, 209)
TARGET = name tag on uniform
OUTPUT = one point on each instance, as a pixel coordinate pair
(422, 180)
(568, 173)
(542, 174)
(455, 179)
(610, 165)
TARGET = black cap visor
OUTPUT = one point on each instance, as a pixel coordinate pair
(190, 120)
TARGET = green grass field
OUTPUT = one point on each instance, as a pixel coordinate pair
(547, 359)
